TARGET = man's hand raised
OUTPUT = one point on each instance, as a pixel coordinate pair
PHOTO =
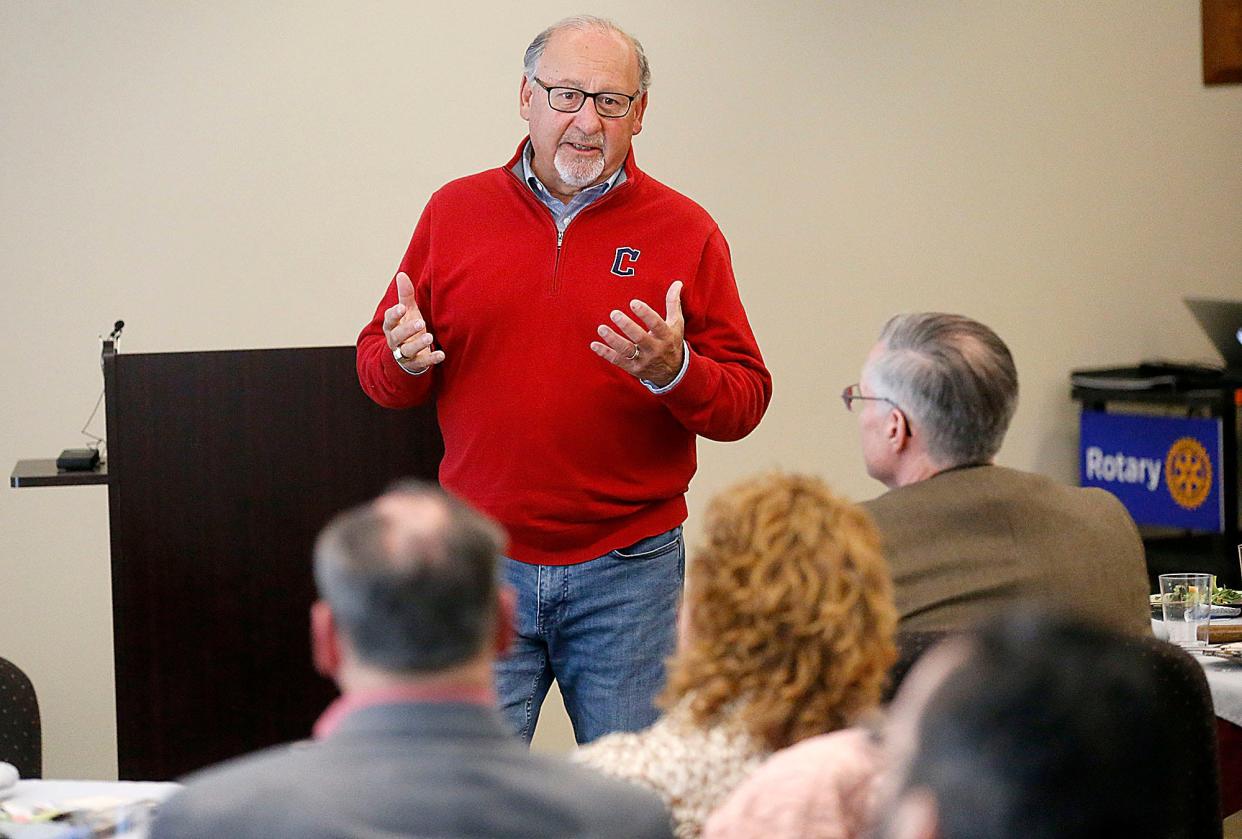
(406, 331)
(653, 353)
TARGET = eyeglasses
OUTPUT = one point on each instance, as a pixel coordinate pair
(852, 393)
(569, 100)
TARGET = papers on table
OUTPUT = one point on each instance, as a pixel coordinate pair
(54, 809)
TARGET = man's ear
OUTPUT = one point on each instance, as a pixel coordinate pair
(506, 611)
(640, 108)
(325, 640)
(897, 430)
(525, 92)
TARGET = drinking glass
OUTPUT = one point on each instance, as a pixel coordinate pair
(1187, 603)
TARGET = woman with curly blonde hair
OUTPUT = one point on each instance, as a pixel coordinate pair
(787, 632)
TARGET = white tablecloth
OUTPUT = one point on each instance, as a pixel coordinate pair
(1224, 677)
(29, 795)
(1225, 680)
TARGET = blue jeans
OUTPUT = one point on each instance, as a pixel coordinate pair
(601, 628)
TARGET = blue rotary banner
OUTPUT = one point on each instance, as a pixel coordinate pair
(1166, 470)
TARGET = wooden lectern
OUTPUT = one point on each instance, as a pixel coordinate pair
(222, 468)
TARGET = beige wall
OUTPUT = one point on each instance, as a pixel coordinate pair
(238, 174)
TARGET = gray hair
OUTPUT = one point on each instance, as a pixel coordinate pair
(585, 23)
(412, 601)
(954, 377)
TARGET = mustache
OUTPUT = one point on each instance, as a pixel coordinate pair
(575, 136)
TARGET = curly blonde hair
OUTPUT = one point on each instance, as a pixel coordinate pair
(790, 613)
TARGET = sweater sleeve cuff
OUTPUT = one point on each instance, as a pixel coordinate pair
(696, 384)
(681, 374)
(409, 372)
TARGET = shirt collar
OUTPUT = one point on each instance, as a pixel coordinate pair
(536, 185)
(353, 701)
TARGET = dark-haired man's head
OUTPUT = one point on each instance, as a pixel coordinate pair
(936, 391)
(1042, 726)
(408, 588)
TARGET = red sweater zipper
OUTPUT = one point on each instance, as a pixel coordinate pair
(560, 234)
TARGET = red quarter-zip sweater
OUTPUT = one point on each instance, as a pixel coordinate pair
(574, 456)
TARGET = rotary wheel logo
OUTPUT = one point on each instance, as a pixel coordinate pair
(1188, 473)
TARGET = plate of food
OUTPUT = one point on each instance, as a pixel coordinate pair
(1226, 603)
(1232, 652)
(1228, 597)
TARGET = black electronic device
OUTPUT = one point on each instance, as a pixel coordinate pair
(1221, 321)
(78, 460)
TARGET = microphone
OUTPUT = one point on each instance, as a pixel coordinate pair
(116, 330)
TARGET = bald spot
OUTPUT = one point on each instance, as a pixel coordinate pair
(594, 52)
(412, 520)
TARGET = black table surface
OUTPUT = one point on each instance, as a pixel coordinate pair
(42, 472)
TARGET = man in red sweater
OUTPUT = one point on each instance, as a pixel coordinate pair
(583, 449)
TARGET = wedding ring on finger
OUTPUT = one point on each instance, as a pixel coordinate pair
(632, 355)
(398, 355)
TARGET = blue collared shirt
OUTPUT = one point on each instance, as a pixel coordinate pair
(563, 213)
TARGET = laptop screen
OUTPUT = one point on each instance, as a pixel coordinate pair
(1221, 321)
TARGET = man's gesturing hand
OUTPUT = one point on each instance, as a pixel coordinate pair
(654, 353)
(406, 331)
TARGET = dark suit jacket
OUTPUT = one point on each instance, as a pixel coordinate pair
(408, 770)
(970, 542)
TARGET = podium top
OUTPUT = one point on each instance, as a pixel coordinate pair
(42, 472)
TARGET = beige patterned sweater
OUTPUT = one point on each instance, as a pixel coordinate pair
(693, 769)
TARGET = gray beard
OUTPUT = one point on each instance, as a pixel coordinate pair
(578, 173)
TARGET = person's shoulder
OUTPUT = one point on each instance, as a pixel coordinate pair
(658, 193)
(879, 502)
(811, 762)
(989, 480)
(1045, 486)
(960, 490)
(848, 743)
(814, 788)
(224, 799)
(1103, 506)
(670, 738)
(608, 806)
(892, 501)
(297, 787)
(1081, 509)
(1021, 476)
(480, 184)
(244, 769)
(1007, 486)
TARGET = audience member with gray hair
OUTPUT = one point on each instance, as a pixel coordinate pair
(956, 375)
(409, 622)
(964, 537)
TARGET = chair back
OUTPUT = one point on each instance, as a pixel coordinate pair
(1186, 702)
(21, 733)
(910, 647)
